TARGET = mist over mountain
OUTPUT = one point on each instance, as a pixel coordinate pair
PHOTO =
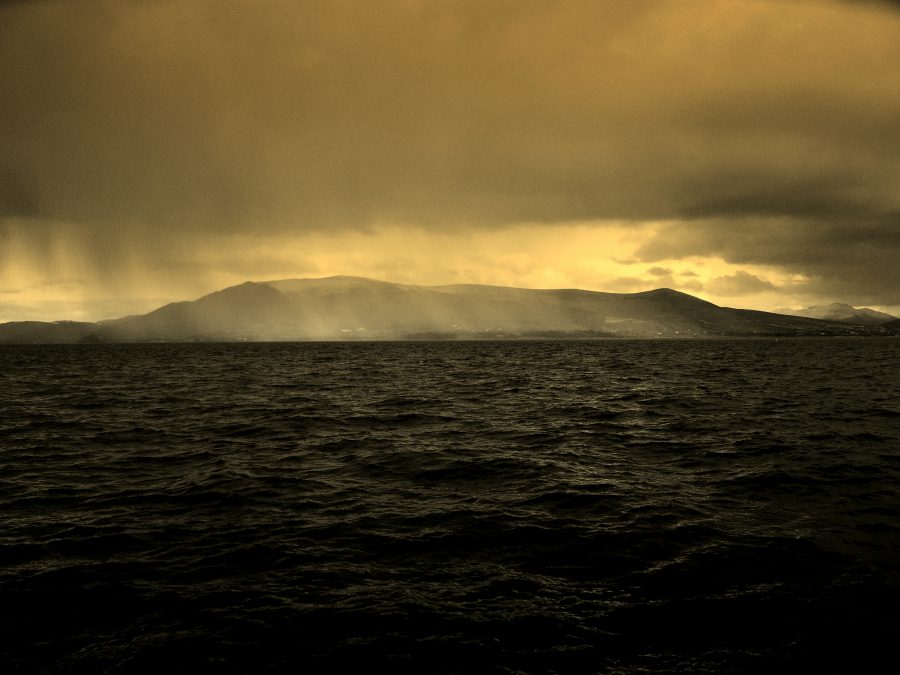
(837, 311)
(355, 308)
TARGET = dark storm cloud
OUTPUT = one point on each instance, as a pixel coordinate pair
(232, 114)
(855, 258)
(739, 283)
(146, 120)
(17, 196)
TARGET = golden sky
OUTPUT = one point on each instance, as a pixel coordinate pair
(745, 151)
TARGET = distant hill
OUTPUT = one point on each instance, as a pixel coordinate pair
(45, 332)
(354, 308)
(844, 313)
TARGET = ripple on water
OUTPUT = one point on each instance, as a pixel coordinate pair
(608, 506)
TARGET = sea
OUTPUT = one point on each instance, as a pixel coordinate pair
(602, 506)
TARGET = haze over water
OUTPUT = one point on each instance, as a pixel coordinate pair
(602, 506)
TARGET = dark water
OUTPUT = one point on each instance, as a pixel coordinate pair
(611, 506)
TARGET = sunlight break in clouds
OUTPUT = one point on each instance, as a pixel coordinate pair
(593, 256)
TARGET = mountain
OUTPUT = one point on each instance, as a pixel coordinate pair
(248, 311)
(845, 313)
(45, 332)
(354, 308)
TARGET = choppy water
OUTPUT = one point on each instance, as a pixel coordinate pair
(610, 506)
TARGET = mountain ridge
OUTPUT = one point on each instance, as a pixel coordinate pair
(358, 308)
(838, 311)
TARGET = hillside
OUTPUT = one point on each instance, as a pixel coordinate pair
(837, 311)
(354, 308)
(45, 332)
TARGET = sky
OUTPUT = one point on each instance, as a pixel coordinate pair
(744, 151)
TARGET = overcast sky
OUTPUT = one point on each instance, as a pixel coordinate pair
(745, 151)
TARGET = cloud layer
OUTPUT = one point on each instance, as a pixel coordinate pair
(763, 132)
